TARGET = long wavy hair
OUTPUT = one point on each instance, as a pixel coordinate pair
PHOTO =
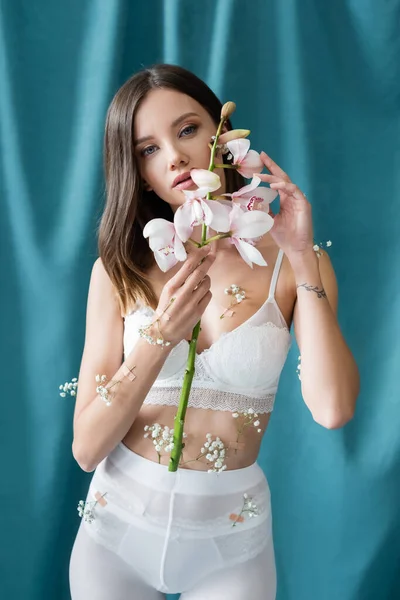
(123, 250)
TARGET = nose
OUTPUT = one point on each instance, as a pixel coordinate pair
(177, 158)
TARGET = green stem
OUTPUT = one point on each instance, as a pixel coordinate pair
(194, 243)
(189, 371)
(220, 236)
(225, 166)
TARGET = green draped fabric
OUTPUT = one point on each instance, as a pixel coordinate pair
(318, 85)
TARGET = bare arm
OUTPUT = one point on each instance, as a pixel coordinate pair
(98, 428)
(330, 381)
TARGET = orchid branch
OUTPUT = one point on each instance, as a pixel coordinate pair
(179, 418)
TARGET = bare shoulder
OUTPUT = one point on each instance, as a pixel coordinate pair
(102, 289)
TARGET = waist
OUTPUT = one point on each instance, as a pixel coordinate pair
(183, 481)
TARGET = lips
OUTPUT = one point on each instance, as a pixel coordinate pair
(183, 178)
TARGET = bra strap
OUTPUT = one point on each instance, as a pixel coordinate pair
(275, 274)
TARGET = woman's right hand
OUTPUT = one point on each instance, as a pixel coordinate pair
(190, 287)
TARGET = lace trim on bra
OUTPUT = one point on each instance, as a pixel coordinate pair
(210, 399)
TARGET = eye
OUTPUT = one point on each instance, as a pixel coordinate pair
(188, 130)
(148, 151)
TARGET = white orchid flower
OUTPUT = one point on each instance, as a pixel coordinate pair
(248, 161)
(165, 243)
(197, 210)
(245, 227)
(249, 199)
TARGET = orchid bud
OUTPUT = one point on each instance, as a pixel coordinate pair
(234, 134)
(227, 110)
(206, 179)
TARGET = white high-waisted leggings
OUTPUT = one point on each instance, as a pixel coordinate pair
(162, 532)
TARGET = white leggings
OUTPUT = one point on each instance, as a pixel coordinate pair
(161, 532)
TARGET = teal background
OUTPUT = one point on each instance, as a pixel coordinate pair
(318, 85)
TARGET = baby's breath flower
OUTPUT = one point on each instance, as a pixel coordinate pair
(162, 437)
(216, 456)
(103, 391)
(248, 417)
(248, 507)
(69, 388)
(86, 509)
(298, 370)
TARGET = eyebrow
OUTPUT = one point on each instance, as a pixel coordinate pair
(173, 124)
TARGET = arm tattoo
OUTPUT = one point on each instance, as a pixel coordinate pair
(320, 293)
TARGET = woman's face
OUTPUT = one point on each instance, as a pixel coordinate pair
(172, 132)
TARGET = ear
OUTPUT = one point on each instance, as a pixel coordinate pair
(146, 186)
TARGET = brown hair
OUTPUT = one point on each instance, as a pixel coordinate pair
(123, 250)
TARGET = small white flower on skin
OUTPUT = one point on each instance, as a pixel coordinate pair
(259, 430)
(235, 415)
(315, 247)
(69, 388)
(256, 423)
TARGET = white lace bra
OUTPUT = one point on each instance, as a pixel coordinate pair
(240, 370)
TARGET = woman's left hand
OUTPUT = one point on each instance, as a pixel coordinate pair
(293, 229)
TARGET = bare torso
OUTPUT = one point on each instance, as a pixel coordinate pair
(227, 269)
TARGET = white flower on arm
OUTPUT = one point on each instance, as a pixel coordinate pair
(245, 227)
(197, 210)
(318, 247)
(298, 370)
(247, 161)
(69, 388)
(103, 391)
(165, 243)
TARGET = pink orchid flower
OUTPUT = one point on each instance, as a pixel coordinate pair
(248, 161)
(165, 243)
(249, 199)
(246, 227)
(197, 210)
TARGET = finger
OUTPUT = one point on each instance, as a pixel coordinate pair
(273, 167)
(198, 275)
(291, 188)
(201, 289)
(204, 302)
(192, 262)
(268, 178)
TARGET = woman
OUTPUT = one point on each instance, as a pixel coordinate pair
(149, 531)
